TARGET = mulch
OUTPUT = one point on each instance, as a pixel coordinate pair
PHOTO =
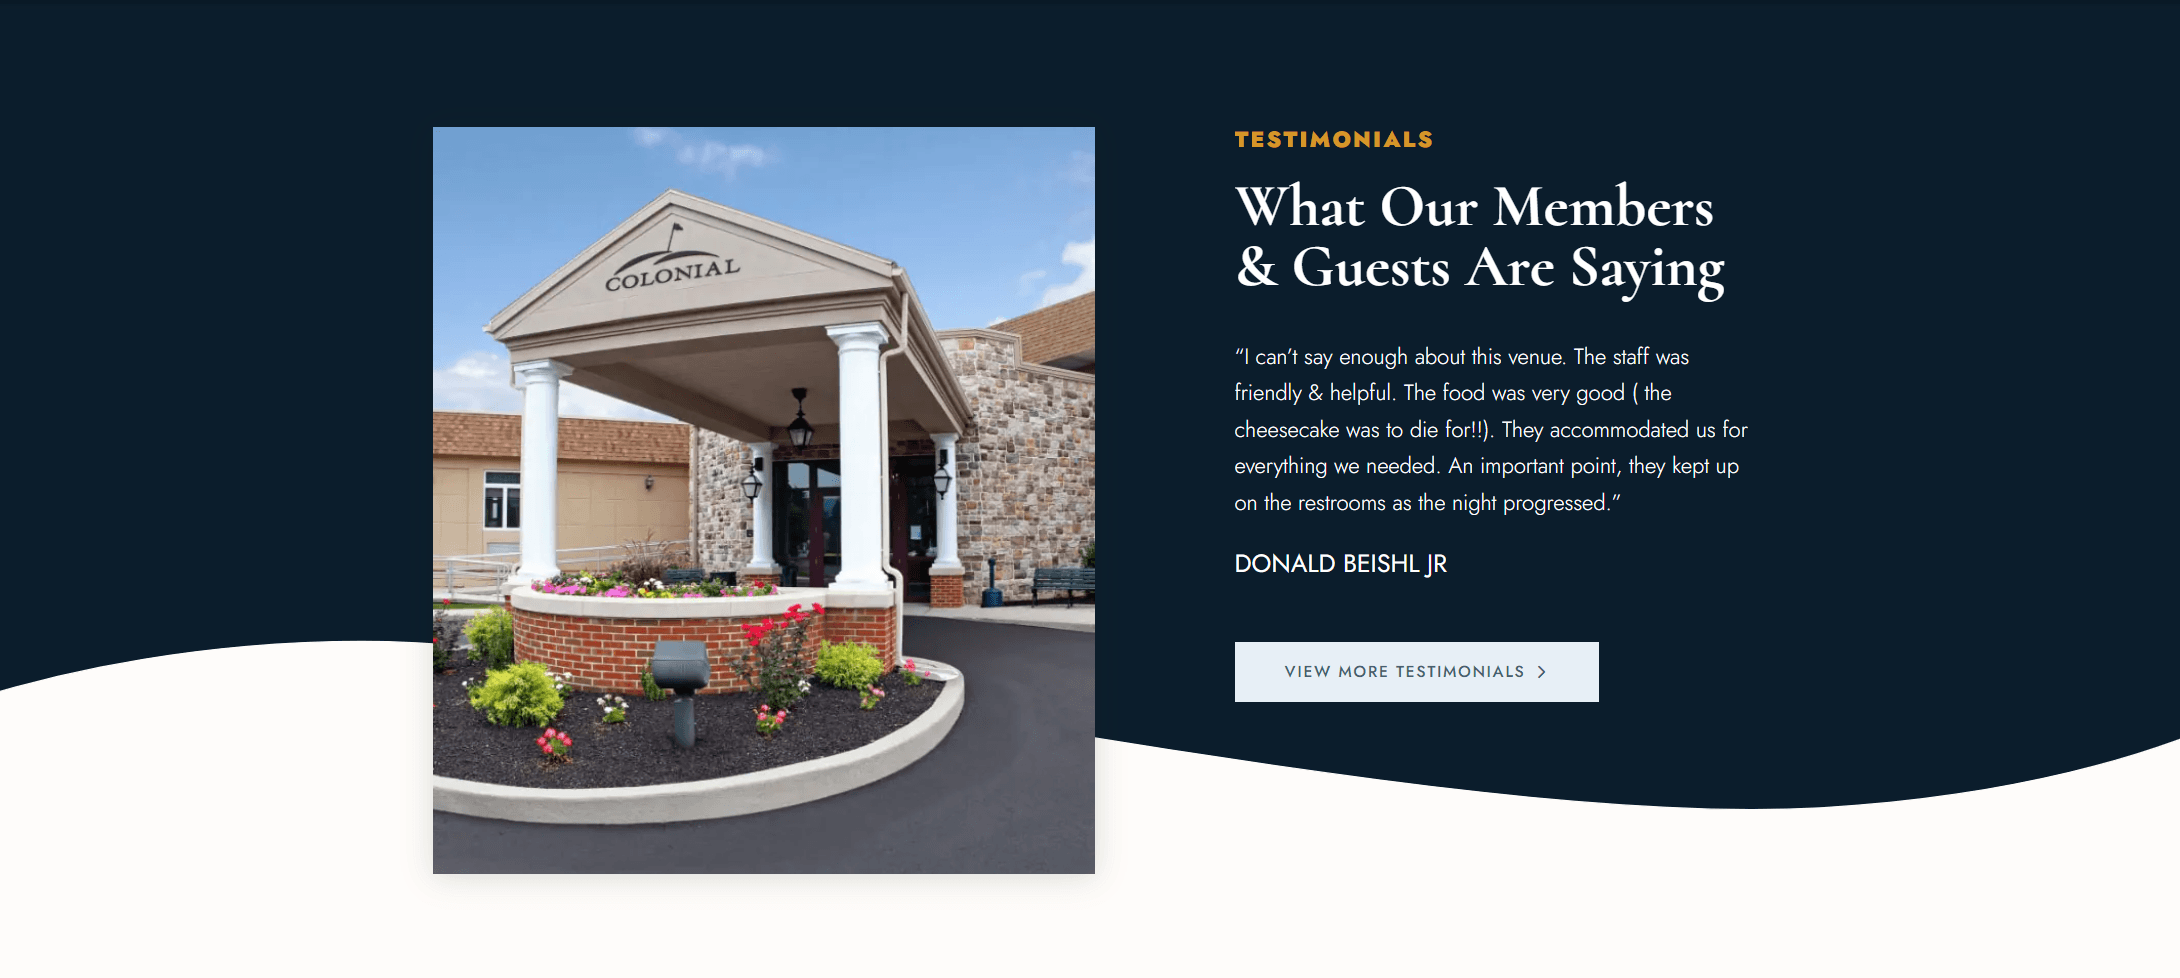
(641, 751)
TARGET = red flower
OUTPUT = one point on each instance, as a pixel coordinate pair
(820, 609)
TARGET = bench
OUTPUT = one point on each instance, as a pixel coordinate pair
(691, 576)
(1069, 579)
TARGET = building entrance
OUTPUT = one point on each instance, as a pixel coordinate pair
(806, 528)
(807, 537)
(915, 542)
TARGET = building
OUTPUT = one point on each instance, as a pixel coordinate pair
(618, 481)
(839, 441)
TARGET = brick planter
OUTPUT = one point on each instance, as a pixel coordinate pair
(604, 644)
(946, 589)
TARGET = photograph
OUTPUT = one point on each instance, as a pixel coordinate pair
(739, 527)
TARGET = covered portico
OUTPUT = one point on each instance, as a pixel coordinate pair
(716, 317)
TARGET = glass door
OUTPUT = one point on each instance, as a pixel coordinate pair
(915, 519)
(806, 532)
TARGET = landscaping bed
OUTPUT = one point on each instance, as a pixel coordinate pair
(641, 751)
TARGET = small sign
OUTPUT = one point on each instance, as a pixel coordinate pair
(915, 532)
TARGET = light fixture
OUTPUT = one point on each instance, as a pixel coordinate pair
(754, 485)
(800, 433)
(647, 483)
(941, 479)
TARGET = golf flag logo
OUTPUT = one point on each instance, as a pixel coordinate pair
(623, 279)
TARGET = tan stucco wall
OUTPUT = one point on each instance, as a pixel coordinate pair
(601, 504)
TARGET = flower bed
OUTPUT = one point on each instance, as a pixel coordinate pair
(641, 750)
(615, 586)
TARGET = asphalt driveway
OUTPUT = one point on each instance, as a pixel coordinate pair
(1009, 791)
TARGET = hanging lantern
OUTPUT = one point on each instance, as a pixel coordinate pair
(800, 433)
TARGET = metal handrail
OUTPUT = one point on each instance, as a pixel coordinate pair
(485, 575)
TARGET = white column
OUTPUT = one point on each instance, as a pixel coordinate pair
(948, 559)
(539, 381)
(862, 435)
(760, 511)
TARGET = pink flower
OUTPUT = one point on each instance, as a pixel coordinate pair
(544, 748)
(541, 741)
(820, 609)
(550, 732)
(910, 663)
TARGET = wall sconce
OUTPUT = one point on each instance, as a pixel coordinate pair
(753, 485)
(800, 433)
(940, 478)
(647, 483)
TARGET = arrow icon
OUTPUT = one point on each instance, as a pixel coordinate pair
(1540, 672)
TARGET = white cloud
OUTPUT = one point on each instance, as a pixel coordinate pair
(707, 156)
(476, 382)
(1085, 255)
(1027, 281)
(480, 382)
(996, 320)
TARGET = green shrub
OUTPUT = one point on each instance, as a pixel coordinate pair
(1090, 555)
(849, 665)
(651, 689)
(492, 638)
(523, 695)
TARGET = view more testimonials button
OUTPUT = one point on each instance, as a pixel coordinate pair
(1415, 672)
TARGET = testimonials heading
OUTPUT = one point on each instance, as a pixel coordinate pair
(1407, 207)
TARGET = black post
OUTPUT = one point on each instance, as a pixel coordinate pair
(992, 597)
(685, 720)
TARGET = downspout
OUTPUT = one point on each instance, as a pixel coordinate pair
(885, 465)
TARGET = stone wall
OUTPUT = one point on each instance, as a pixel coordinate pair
(1026, 470)
(1027, 467)
(720, 530)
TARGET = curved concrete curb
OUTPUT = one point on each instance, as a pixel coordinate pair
(743, 794)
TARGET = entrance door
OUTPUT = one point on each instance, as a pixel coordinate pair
(806, 535)
(915, 523)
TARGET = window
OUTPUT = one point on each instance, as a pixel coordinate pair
(502, 500)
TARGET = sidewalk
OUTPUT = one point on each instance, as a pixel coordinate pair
(1083, 617)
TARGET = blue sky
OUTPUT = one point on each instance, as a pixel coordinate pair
(989, 223)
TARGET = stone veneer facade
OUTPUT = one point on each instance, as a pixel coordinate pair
(1026, 469)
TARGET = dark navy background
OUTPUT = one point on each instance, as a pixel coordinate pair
(1947, 236)
(1945, 564)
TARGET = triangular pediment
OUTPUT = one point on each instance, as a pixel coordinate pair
(684, 254)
